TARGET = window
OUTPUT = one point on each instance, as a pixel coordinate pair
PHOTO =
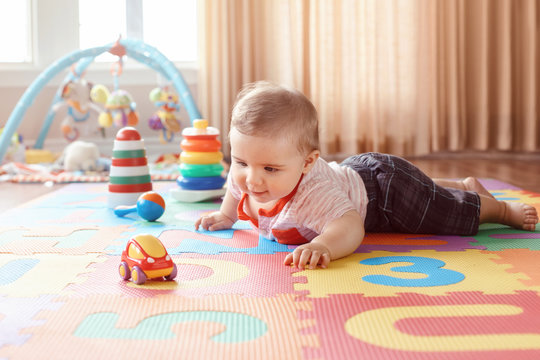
(134, 252)
(43, 31)
(168, 25)
(14, 20)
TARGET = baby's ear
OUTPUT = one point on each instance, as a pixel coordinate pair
(310, 160)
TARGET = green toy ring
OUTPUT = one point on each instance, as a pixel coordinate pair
(197, 170)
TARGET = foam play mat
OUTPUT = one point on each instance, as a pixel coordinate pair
(399, 296)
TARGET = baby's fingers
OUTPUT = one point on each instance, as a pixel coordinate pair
(324, 260)
(293, 258)
(218, 225)
(288, 259)
(304, 258)
(205, 222)
(198, 223)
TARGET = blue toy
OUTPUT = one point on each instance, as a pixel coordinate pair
(150, 206)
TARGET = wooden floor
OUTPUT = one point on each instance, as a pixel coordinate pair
(520, 170)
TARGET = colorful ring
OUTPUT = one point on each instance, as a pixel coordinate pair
(195, 157)
(196, 170)
(125, 154)
(133, 188)
(128, 180)
(209, 132)
(200, 145)
(201, 183)
(128, 145)
(128, 170)
(129, 162)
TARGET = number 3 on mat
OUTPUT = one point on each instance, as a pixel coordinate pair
(436, 276)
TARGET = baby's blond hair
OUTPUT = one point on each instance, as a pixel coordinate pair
(266, 109)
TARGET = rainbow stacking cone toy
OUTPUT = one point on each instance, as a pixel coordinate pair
(200, 164)
(129, 176)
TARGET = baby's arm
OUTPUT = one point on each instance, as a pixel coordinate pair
(222, 219)
(340, 238)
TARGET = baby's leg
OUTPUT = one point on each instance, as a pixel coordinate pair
(518, 215)
(468, 184)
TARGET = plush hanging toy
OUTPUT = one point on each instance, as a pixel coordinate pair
(77, 100)
(119, 107)
(164, 119)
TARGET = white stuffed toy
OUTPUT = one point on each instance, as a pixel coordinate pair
(81, 156)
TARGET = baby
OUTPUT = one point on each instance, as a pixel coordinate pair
(280, 184)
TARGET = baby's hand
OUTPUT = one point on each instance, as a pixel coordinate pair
(312, 253)
(214, 221)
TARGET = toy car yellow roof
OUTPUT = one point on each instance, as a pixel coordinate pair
(151, 245)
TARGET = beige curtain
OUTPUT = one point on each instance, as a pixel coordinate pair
(408, 77)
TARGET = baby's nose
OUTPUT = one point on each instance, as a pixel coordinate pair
(253, 178)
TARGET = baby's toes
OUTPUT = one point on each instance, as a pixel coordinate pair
(529, 227)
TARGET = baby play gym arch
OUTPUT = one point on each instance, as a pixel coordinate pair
(81, 59)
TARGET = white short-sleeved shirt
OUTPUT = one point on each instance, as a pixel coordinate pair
(326, 193)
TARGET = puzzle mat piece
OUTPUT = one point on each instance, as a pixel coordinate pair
(90, 195)
(49, 275)
(67, 199)
(168, 221)
(69, 240)
(176, 214)
(523, 261)
(50, 215)
(247, 241)
(497, 237)
(157, 228)
(422, 271)
(518, 195)
(493, 184)
(18, 313)
(198, 275)
(120, 327)
(210, 242)
(467, 325)
(406, 242)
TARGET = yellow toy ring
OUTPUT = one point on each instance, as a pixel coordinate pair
(189, 157)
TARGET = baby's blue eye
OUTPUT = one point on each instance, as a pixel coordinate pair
(270, 169)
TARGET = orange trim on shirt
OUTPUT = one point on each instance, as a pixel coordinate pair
(281, 202)
(242, 215)
(289, 236)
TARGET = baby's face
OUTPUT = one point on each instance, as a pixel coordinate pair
(266, 168)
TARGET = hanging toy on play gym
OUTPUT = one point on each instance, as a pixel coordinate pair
(165, 118)
(119, 105)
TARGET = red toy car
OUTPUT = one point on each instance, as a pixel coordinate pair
(144, 258)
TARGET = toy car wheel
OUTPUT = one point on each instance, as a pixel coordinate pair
(173, 273)
(138, 276)
(123, 269)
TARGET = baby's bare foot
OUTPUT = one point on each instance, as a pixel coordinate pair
(520, 216)
(472, 184)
